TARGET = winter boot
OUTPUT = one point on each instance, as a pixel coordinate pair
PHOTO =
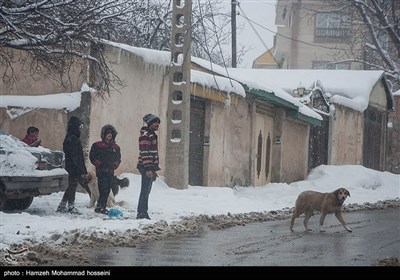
(101, 210)
(143, 215)
(72, 209)
(62, 207)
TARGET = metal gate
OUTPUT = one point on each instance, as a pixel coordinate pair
(319, 135)
(196, 148)
(373, 127)
(318, 145)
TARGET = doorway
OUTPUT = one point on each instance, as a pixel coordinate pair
(263, 146)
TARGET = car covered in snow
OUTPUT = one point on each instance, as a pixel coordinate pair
(27, 172)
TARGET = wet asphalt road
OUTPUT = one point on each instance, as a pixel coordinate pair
(376, 234)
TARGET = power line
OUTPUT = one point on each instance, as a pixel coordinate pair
(252, 27)
(278, 34)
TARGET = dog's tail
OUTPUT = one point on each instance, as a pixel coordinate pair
(124, 182)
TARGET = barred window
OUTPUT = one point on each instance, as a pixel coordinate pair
(330, 65)
(331, 27)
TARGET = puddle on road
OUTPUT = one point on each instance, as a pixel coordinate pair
(188, 250)
(375, 235)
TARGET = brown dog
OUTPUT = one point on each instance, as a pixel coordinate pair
(309, 201)
(94, 189)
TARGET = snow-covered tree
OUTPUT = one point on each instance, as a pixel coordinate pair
(376, 32)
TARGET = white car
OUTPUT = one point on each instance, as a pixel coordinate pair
(26, 172)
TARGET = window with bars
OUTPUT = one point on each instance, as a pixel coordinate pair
(331, 27)
(330, 65)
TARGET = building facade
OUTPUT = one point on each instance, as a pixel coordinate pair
(315, 35)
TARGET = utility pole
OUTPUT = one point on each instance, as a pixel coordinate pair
(233, 24)
(178, 111)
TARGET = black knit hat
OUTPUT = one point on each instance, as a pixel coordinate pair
(150, 118)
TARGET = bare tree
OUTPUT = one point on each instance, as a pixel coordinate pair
(58, 34)
(211, 32)
(377, 25)
(151, 28)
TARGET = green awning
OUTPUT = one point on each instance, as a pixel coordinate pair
(270, 97)
(305, 118)
(293, 110)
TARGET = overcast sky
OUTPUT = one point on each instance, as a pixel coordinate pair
(262, 15)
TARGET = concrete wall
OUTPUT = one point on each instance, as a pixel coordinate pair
(230, 140)
(52, 123)
(34, 84)
(226, 159)
(294, 149)
(229, 157)
(146, 91)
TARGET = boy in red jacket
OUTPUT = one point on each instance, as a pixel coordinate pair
(32, 137)
(105, 155)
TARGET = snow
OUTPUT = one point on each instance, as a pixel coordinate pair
(21, 104)
(40, 222)
(150, 56)
(217, 82)
(353, 91)
(17, 159)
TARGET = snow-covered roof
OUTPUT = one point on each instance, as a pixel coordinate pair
(149, 56)
(163, 58)
(245, 76)
(347, 87)
(18, 105)
(350, 88)
(217, 82)
(225, 83)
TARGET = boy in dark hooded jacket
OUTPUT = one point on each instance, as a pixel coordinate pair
(74, 164)
(105, 155)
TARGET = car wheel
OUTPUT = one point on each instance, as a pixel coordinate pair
(18, 204)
